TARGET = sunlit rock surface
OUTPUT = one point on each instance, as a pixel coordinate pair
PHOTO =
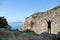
(48, 21)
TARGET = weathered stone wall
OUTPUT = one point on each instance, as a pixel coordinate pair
(38, 22)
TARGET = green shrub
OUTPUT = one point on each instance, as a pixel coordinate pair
(56, 7)
(29, 32)
(57, 37)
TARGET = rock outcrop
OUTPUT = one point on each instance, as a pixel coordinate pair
(48, 21)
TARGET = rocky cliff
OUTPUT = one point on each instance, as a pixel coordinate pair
(48, 21)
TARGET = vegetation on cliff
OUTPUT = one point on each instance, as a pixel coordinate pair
(4, 23)
(37, 15)
(57, 7)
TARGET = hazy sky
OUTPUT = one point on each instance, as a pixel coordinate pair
(18, 10)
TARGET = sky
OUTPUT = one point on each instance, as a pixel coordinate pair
(19, 10)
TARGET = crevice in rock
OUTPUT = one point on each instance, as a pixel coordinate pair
(31, 23)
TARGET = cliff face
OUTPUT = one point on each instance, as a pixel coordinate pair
(48, 21)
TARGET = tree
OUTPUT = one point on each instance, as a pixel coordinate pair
(3, 22)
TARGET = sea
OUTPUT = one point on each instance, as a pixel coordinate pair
(15, 25)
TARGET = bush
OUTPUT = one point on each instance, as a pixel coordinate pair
(57, 36)
(29, 32)
(4, 23)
